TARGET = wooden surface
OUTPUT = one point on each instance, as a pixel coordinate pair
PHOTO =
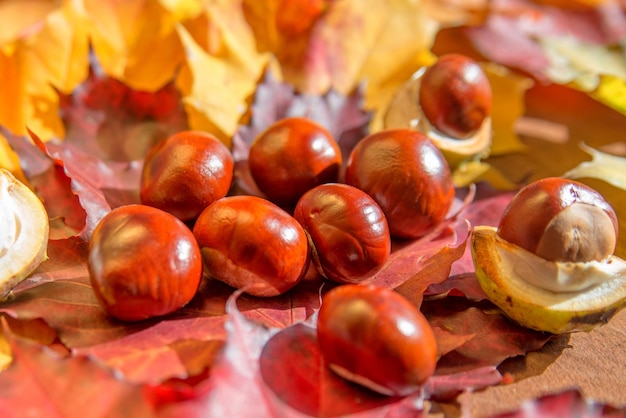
(594, 363)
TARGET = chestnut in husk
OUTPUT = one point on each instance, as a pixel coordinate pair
(449, 101)
(455, 95)
(549, 264)
(23, 234)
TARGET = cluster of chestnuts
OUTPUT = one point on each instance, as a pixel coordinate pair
(397, 184)
(338, 213)
(316, 208)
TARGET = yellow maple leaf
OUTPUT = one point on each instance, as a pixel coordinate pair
(183, 9)
(612, 92)
(10, 160)
(5, 353)
(135, 41)
(508, 97)
(216, 81)
(50, 54)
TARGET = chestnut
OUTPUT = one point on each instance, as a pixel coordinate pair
(455, 95)
(407, 175)
(375, 337)
(348, 230)
(561, 220)
(549, 265)
(185, 173)
(292, 156)
(252, 244)
(143, 262)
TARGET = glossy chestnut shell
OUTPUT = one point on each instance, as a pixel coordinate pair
(455, 95)
(185, 173)
(376, 337)
(560, 220)
(348, 230)
(407, 176)
(292, 156)
(250, 243)
(143, 262)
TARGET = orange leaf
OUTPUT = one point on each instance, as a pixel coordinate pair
(135, 41)
(51, 54)
(10, 160)
(221, 70)
(347, 42)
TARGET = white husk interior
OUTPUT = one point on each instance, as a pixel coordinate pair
(560, 286)
(24, 233)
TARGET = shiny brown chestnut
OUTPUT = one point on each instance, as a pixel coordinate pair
(560, 220)
(375, 337)
(185, 173)
(292, 156)
(407, 176)
(455, 95)
(143, 262)
(250, 243)
(348, 230)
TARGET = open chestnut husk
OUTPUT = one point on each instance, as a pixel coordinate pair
(375, 337)
(450, 101)
(23, 234)
(549, 265)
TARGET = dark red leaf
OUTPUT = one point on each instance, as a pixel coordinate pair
(107, 118)
(485, 209)
(471, 335)
(460, 285)
(444, 387)
(291, 365)
(52, 185)
(39, 382)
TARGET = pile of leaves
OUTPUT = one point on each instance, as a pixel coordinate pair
(94, 84)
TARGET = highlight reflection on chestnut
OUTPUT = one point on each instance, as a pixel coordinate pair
(375, 337)
(250, 243)
(455, 95)
(407, 175)
(143, 262)
(185, 173)
(348, 230)
(561, 220)
(292, 156)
